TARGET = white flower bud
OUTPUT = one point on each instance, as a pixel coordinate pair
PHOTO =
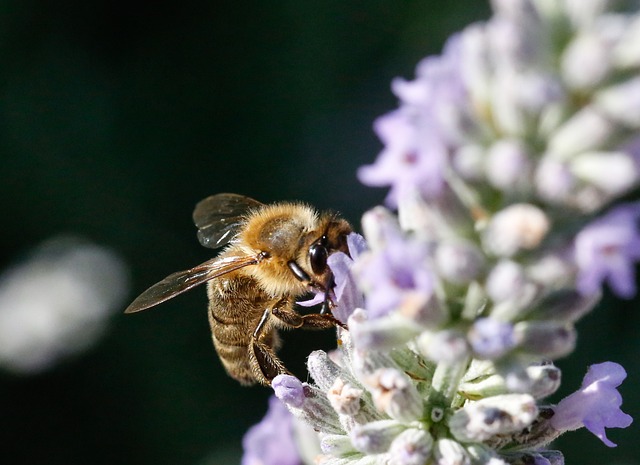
(450, 452)
(587, 130)
(468, 162)
(474, 64)
(336, 445)
(515, 228)
(484, 386)
(564, 305)
(344, 398)
(498, 415)
(375, 437)
(584, 13)
(448, 346)
(553, 180)
(508, 166)
(482, 455)
(544, 380)
(317, 411)
(394, 393)
(382, 333)
(506, 281)
(550, 339)
(586, 62)
(621, 102)
(411, 447)
(612, 172)
(323, 370)
(458, 262)
(378, 224)
(552, 270)
(626, 53)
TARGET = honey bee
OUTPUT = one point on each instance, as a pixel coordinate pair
(274, 254)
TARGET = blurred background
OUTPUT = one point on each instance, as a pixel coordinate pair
(115, 119)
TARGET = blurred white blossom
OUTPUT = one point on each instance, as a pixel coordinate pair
(57, 302)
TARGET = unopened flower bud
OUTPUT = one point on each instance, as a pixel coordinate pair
(468, 162)
(378, 224)
(507, 282)
(553, 271)
(564, 305)
(450, 452)
(508, 166)
(554, 180)
(621, 102)
(344, 398)
(587, 130)
(448, 346)
(458, 262)
(482, 455)
(626, 52)
(611, 172)
(289, 390)
(491, 338)
(411, 447)
(382, 333)
(375, 437)
(586, 62)
(544, 380)
(498, 415)
(307, 402)
(336, 445)
(517, 227)
(394, 393)
(549, 339)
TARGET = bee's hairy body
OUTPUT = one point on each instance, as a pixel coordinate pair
(236, 305)
(274, 254)
(282, 233)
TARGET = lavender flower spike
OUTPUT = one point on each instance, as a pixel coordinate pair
(506, 162)
(596, 405)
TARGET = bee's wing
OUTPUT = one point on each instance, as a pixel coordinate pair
(220, 216)
(182, 281)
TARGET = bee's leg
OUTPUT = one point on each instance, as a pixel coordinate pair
(311, 321)
(265, 364)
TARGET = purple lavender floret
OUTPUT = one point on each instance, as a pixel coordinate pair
(607, 250)
(418, 135)
(391, 275)
(596, 405)
(348, 296)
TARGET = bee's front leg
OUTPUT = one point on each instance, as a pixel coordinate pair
(312, 321)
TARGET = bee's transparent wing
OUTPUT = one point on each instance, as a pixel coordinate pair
(220, 216)
(182, 281)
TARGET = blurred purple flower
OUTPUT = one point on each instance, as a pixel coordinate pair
(607, 249)
(348, 296)
(418, 135)
(396, 273)
(596, 405)
(413, 159)
(270, 442)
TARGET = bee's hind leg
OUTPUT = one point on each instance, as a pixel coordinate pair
(264, 362)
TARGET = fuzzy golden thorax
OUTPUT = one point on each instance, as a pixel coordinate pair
(285, 233)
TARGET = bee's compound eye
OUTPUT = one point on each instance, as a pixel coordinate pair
(318, 257)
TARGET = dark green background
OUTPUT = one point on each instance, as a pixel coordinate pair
(116, 117)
